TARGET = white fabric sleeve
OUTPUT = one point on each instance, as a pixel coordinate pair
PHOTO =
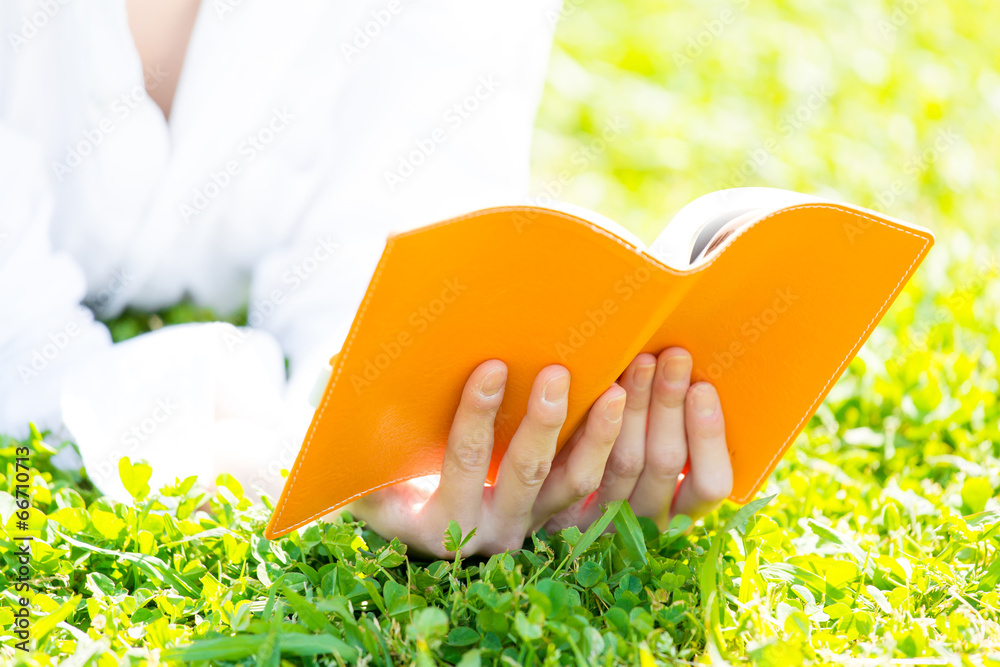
(45, 332)
(436, 120)
(191, 399)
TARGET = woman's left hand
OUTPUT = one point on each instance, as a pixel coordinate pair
(667, 423)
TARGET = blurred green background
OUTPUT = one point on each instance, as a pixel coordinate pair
(890, 105)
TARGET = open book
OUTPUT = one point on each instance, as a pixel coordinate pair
(772, 293)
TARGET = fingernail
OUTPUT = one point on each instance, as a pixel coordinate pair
(644, 374)
(492, 383)
(705, 400)
(675, 369)
(556, 389)
(614, 409)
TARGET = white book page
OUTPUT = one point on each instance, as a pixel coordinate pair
(673, 245)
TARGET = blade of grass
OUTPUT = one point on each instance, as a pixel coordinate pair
(590, 536)
(631, 534)
(242, 646)
(745, 513)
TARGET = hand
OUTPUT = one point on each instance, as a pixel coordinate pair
(667, 423)
(606, 459)
(506, 512)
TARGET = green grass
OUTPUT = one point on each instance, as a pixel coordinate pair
(883, 533)
(881, 540)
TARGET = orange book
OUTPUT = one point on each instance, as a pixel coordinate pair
(771, 292)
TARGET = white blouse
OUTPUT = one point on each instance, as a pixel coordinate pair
(301, 134)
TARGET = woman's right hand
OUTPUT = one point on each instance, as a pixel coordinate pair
(506, 512)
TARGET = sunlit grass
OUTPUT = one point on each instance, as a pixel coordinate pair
(882, 537)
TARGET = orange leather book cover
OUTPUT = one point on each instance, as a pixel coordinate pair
(772, 320)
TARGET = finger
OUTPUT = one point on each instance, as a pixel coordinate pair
(577, 475)
(666, 442)
(629, 452)
(710, 479)
(528, 459)
(459, 494)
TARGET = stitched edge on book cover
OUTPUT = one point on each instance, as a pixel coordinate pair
(872, 323)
